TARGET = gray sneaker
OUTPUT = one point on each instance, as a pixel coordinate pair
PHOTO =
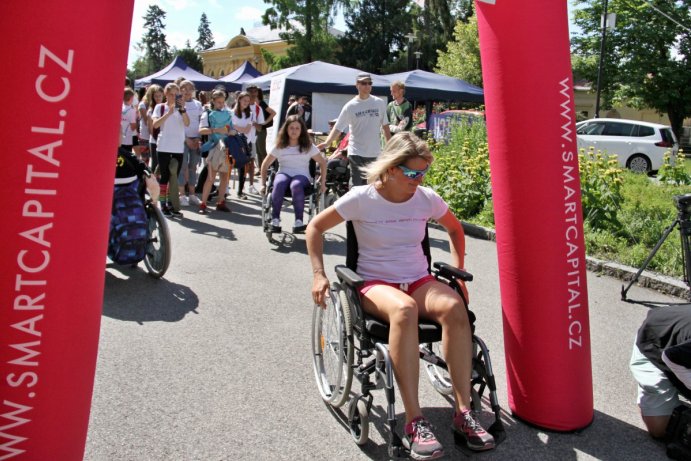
(476, 437)
(420, 440)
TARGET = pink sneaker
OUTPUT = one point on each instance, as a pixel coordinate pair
(477, 438)
(420, 440)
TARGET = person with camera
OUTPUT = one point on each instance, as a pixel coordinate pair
(171, 117)
(661, 364)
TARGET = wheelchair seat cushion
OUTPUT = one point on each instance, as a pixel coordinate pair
(428, 331)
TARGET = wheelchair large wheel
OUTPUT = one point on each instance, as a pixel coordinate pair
(438, 376)
(332, 347)
(158, 247)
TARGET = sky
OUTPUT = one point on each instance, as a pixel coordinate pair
(182, 20)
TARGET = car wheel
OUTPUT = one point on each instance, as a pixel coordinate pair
(639, 163)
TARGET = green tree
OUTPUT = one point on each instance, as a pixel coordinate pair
(157, 51)
(376, 37)
(434, 28)
(191, 56)
(647, 57)
(462, 56)
(307, 24)
(206, 38)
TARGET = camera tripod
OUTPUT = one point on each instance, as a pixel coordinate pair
(683, 203)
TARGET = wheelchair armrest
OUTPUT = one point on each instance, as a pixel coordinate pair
(448, 271)
(349, 277)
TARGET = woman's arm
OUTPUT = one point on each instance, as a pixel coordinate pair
(315, 248)
(268, 160)
(272, 114)
(321, 161)
(159, 121)
(457, 242)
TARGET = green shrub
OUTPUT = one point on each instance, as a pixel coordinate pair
(676, 174)
(460, 172)
(601, 185)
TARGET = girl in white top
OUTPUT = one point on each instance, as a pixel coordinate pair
(153, 97)
(172, 119)
(293, 150)
(389, 215)
(243, 122)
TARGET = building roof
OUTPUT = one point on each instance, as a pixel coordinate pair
(265, 34)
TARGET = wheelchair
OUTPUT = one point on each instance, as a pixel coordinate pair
(348, 342)
(157, 253)
(314, 199)
(337, 180)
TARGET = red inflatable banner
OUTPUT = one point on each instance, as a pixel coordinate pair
(63, 85)
(528, 87)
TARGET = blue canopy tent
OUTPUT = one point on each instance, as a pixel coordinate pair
(177, 68)
(421, 85)
(234, 80)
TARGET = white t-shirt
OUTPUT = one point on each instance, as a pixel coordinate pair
(171, 139)
(127, 116)
(143, 126)
(292, 162)
(242, 122)
(364, 117)
(194, 112)
(150, 113)
(390, 234)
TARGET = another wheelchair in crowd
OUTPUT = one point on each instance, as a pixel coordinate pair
(138, 230)
(347, 341)
(337, 179)
(314, 200)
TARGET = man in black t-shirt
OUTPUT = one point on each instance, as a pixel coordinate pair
(661, 364)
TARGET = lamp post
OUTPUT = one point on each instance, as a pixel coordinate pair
(417, 59)
(411, 40)
(605, 25)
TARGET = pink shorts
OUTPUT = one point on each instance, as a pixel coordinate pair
(407, 288)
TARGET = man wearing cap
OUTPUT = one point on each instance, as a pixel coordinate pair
(364, 116)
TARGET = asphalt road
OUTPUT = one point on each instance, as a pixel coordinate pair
(213, 362)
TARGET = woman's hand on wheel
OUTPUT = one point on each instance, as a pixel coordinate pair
(320, 289)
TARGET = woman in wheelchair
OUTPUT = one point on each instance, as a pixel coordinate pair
(129, 168)
(390, 215)
(294, 150)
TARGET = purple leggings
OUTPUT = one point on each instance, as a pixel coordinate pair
(297, 186)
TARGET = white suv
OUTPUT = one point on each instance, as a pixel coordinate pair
(639, 146)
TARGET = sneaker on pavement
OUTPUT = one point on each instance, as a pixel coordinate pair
(476, 437)
(184, 201)
(222, 207)
(177, 213)
(202, 208)
(275, 222)
(299, 226)
(166, 210)
(194, 200)
(420, 440)
(253, 190)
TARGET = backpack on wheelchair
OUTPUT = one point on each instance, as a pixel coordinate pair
(138, 230)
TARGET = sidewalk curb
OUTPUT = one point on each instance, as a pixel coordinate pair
(658, 282)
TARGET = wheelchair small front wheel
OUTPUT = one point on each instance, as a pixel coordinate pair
(358, 421)
(438, 376)
(332, 349)
(158, 246)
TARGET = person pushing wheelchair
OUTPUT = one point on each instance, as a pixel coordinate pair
(390, 216)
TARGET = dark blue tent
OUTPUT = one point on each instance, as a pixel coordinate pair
(421, 85)
(234, 80)
(177, 68)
